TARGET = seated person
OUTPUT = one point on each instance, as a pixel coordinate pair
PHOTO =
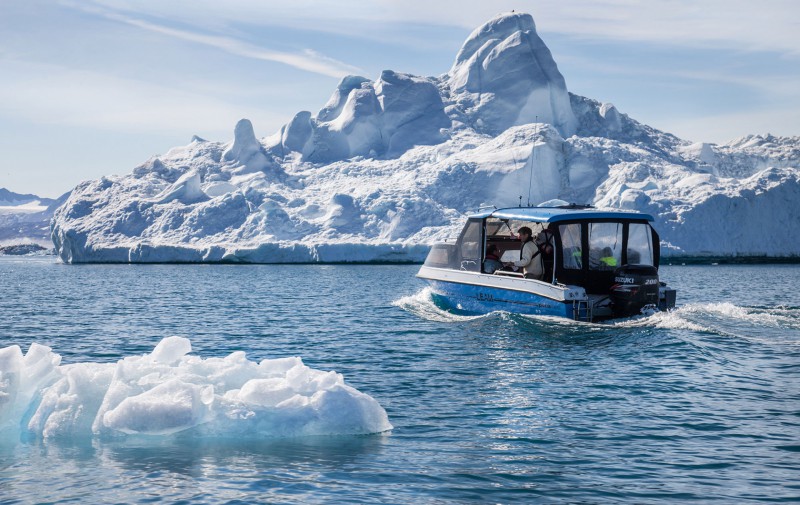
(607, 259)
(544, 242)
(530, 260)
(573, 258)
(492, 261)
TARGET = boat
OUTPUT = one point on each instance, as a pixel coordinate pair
(597, 264)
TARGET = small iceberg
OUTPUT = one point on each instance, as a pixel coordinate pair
(171, 391)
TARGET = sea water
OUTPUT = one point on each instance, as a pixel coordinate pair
(701, 404)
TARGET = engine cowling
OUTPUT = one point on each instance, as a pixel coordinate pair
(635, 286)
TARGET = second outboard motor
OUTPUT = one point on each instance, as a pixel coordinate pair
(634, 287)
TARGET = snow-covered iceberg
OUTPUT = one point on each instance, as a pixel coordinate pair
(170, 391)
(386, 167)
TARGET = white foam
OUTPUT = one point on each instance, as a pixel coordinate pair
(170, 391)
(750, 315)
(421, 304)
(666, 320)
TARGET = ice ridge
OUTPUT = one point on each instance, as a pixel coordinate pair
(386, 167)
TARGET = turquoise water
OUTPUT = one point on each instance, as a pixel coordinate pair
(702, 404)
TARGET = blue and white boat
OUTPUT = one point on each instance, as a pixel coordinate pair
(597, 264)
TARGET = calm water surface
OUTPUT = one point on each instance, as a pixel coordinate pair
(699, 405)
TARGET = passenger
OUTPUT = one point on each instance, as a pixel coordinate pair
(544, 242)
(530, 260)
(607, 259)
(492, 261)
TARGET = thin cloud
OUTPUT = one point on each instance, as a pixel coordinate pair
(738, 24)
(51, 94)
(308, 60)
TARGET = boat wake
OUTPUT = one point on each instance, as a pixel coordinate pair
(421, 304)
(722, 318)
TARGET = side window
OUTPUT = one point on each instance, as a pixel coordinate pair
(640, 244)
(605, 246)
(470, 246)
(571, 245)
(442, 256)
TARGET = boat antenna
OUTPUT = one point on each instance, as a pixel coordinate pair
(514, 157)
(533, 159)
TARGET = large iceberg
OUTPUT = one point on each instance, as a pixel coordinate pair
(172, 392)
(386, 167)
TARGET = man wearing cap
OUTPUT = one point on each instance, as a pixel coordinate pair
(530, 260)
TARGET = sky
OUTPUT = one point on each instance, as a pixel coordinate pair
(96, 87)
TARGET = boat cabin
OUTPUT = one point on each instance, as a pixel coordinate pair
(611, 256)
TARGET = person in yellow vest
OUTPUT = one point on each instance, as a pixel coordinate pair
(607, 259)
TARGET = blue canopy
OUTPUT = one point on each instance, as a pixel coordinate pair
(557, 214)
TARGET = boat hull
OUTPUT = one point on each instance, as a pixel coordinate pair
(466, 299)
(465, 293)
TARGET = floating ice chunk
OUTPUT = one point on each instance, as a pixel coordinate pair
(167, 408)
(169, 391)
(266, 392)
(171, 349)
(10, 365)
(68, 407)
(22, 378)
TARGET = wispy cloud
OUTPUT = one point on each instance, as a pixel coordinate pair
(308, 59)
(733, 24)
(56, 95)
(771, 25)
(743, 25)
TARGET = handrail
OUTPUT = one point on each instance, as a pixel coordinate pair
(554, 259)
(509, 273)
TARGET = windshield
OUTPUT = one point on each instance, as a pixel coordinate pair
(640, 244)
(605, 246)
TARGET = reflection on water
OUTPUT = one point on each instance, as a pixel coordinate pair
(698, 404)
(144, 465)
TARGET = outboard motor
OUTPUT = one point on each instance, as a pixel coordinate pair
(634, 287)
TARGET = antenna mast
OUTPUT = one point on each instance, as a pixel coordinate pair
(533, 159)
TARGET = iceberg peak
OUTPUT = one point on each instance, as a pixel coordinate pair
(498, 28)
(504, 75)
(244, 144)
(246, 151)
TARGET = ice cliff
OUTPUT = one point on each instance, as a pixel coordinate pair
(385, 167)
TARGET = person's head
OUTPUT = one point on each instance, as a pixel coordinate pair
(492, 249)
(524, 233)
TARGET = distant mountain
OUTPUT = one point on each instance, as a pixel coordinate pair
(25, 221)
(388, 166)
(10, 199)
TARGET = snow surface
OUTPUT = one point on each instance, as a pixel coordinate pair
(170, 391)
(387, 167)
